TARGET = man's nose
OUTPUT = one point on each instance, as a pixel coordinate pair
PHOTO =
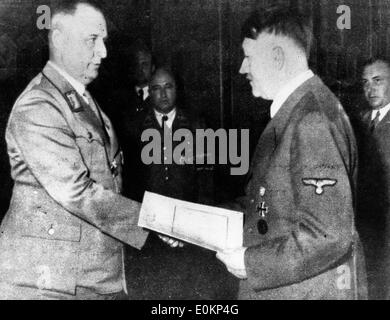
(101, 50)
(370, 89)
(244, 67)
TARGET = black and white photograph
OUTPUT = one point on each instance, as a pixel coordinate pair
(207, 150)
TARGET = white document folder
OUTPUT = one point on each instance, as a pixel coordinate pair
(206, 226)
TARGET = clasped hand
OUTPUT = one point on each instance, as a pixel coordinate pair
(173, 243)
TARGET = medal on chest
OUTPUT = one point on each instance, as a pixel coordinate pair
(262, 211)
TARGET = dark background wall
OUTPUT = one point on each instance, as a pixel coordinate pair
(201, 39)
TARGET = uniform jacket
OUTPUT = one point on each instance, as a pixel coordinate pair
(311, 249)
(159, 271)
(374, 174)
(67, 220)
(173, 180)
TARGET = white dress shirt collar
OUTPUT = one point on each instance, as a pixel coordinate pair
(288, 89)
(77, 85)
(171, 116)
(144, 89)
(383, 111)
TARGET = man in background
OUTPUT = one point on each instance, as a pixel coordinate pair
(163, 272)
(128, 103)
(143, 66)
(374, 175)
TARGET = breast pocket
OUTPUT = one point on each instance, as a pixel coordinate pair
(50, 224)
(91, 147)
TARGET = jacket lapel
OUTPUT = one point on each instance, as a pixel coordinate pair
(108, 127)
(282, 117)
(150, 120)
(180, 121)
(269, 140)
(367, 118)
(385, 121)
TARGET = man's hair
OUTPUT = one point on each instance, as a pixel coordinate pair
(278, 20)
(371, 60)
(166, 69)
(69, 7)
(137, 47)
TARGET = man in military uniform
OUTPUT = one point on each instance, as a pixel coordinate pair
(62, 235)
(299, 234)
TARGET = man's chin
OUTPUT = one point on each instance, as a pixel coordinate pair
(164, 108)
(376, 106)
(259, 94)
(90, 77)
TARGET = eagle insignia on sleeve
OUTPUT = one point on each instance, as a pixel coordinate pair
(319, 184)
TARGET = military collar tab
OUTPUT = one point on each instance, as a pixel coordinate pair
(73, 101)
(63, 87)
(69, 96)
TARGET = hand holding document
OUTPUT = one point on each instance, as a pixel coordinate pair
(234, 261)
(206, 226)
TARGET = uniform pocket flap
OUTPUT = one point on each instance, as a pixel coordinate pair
(53, 231)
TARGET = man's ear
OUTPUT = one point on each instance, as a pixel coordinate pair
(278, 57)
(57, 38)
(254, 33)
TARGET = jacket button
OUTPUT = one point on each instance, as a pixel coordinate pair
(166, 178)
(262, 191)
(252, 201)
(51, 231)
(250, 230)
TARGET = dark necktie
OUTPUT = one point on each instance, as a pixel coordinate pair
(374, 122)
(140, 104)
(141, 94)
(164, 121)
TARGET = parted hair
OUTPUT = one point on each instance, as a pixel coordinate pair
(66, 7)
(281, 20)
(373, 59)
(69, 7)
